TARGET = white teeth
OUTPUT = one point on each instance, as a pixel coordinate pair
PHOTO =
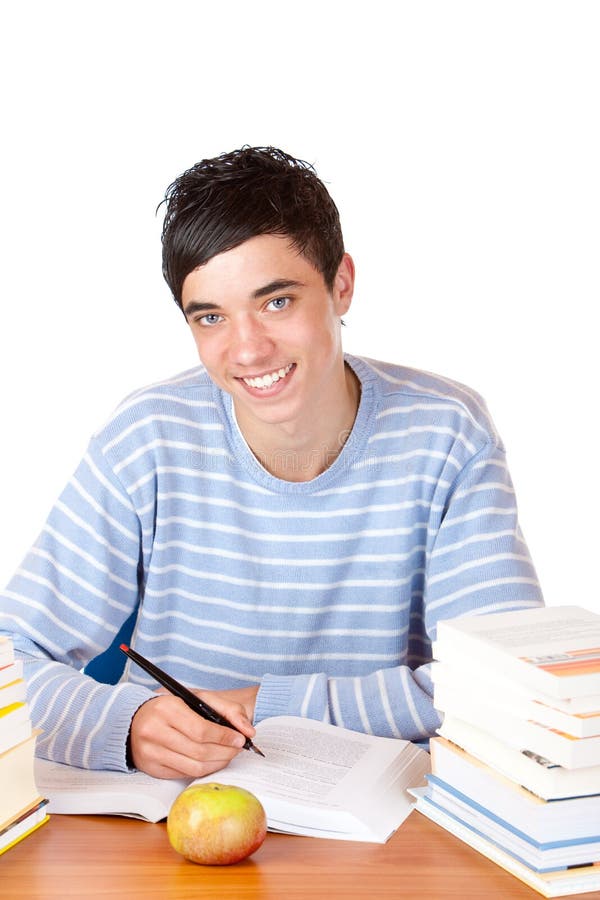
(265, 381)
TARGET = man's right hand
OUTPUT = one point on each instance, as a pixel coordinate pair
(169, 740)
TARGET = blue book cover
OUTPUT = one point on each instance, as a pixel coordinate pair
(540, 858)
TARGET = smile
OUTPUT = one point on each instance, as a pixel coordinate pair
(265, 381)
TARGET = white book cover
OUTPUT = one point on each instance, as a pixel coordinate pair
(7, 653)
(542, 821)
(14, 692)
(12, 717)
(11, 672)
(555, 650)
(19, 731)
(17, 781)
(522, 734)
(495, 684)
(533, 771)
(454, 683)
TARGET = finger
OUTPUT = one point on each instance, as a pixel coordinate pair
(188, 769)
(240, 721)
(179, 756)
(201, 731)
(168, 740)
(180, 760)
(175, 766)
(171, 725)
(172, 712)
(233, 711)
(186, 744)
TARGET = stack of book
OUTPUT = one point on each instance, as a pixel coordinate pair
(516, 765)
(22, 810)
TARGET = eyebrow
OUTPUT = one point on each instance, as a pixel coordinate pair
(196, 306)
(280, 284)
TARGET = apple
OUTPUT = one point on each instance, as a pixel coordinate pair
(216, 824)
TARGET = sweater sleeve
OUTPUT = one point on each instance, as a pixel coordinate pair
(63, 607)
(476, 562)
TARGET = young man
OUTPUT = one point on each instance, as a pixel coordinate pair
(288, 523)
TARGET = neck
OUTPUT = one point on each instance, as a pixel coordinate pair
(300, 451)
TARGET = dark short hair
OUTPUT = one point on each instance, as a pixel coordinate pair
(220, 203)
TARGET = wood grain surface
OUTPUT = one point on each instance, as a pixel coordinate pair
(100, 856)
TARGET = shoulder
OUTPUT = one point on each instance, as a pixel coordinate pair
(187, 395)
(405, 391)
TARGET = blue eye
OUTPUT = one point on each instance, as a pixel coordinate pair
(279, 302)
(210, 319)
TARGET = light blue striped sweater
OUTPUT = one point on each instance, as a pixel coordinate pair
(325, 593)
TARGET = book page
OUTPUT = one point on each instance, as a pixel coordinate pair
(91, 791)
(308, 761)
(318, 776)
(541, 631)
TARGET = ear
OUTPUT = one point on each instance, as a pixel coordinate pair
(343, 285)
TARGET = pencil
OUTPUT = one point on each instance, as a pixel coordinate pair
(188, 697)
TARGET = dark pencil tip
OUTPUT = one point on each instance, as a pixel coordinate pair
(256, 750)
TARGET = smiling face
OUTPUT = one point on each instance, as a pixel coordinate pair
(267, 329)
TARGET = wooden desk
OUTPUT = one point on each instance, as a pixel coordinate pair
(99, 856)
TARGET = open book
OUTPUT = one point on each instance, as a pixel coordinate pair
(315, 779)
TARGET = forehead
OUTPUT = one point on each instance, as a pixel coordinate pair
(248, 267)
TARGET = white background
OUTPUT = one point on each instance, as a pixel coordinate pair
(461, 142)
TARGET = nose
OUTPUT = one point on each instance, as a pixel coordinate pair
(250, 343)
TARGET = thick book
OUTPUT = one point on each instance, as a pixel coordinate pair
(23, 824)
(11, 672)
(7, 653)
(523, 734)
(13, 692)
(15, 725)
(316, 779)
(453, 683)
(542, 821)
(561, 883)
(532, 771)
(539, 855)
(549, 857)
(17, 779)
(554, 650)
